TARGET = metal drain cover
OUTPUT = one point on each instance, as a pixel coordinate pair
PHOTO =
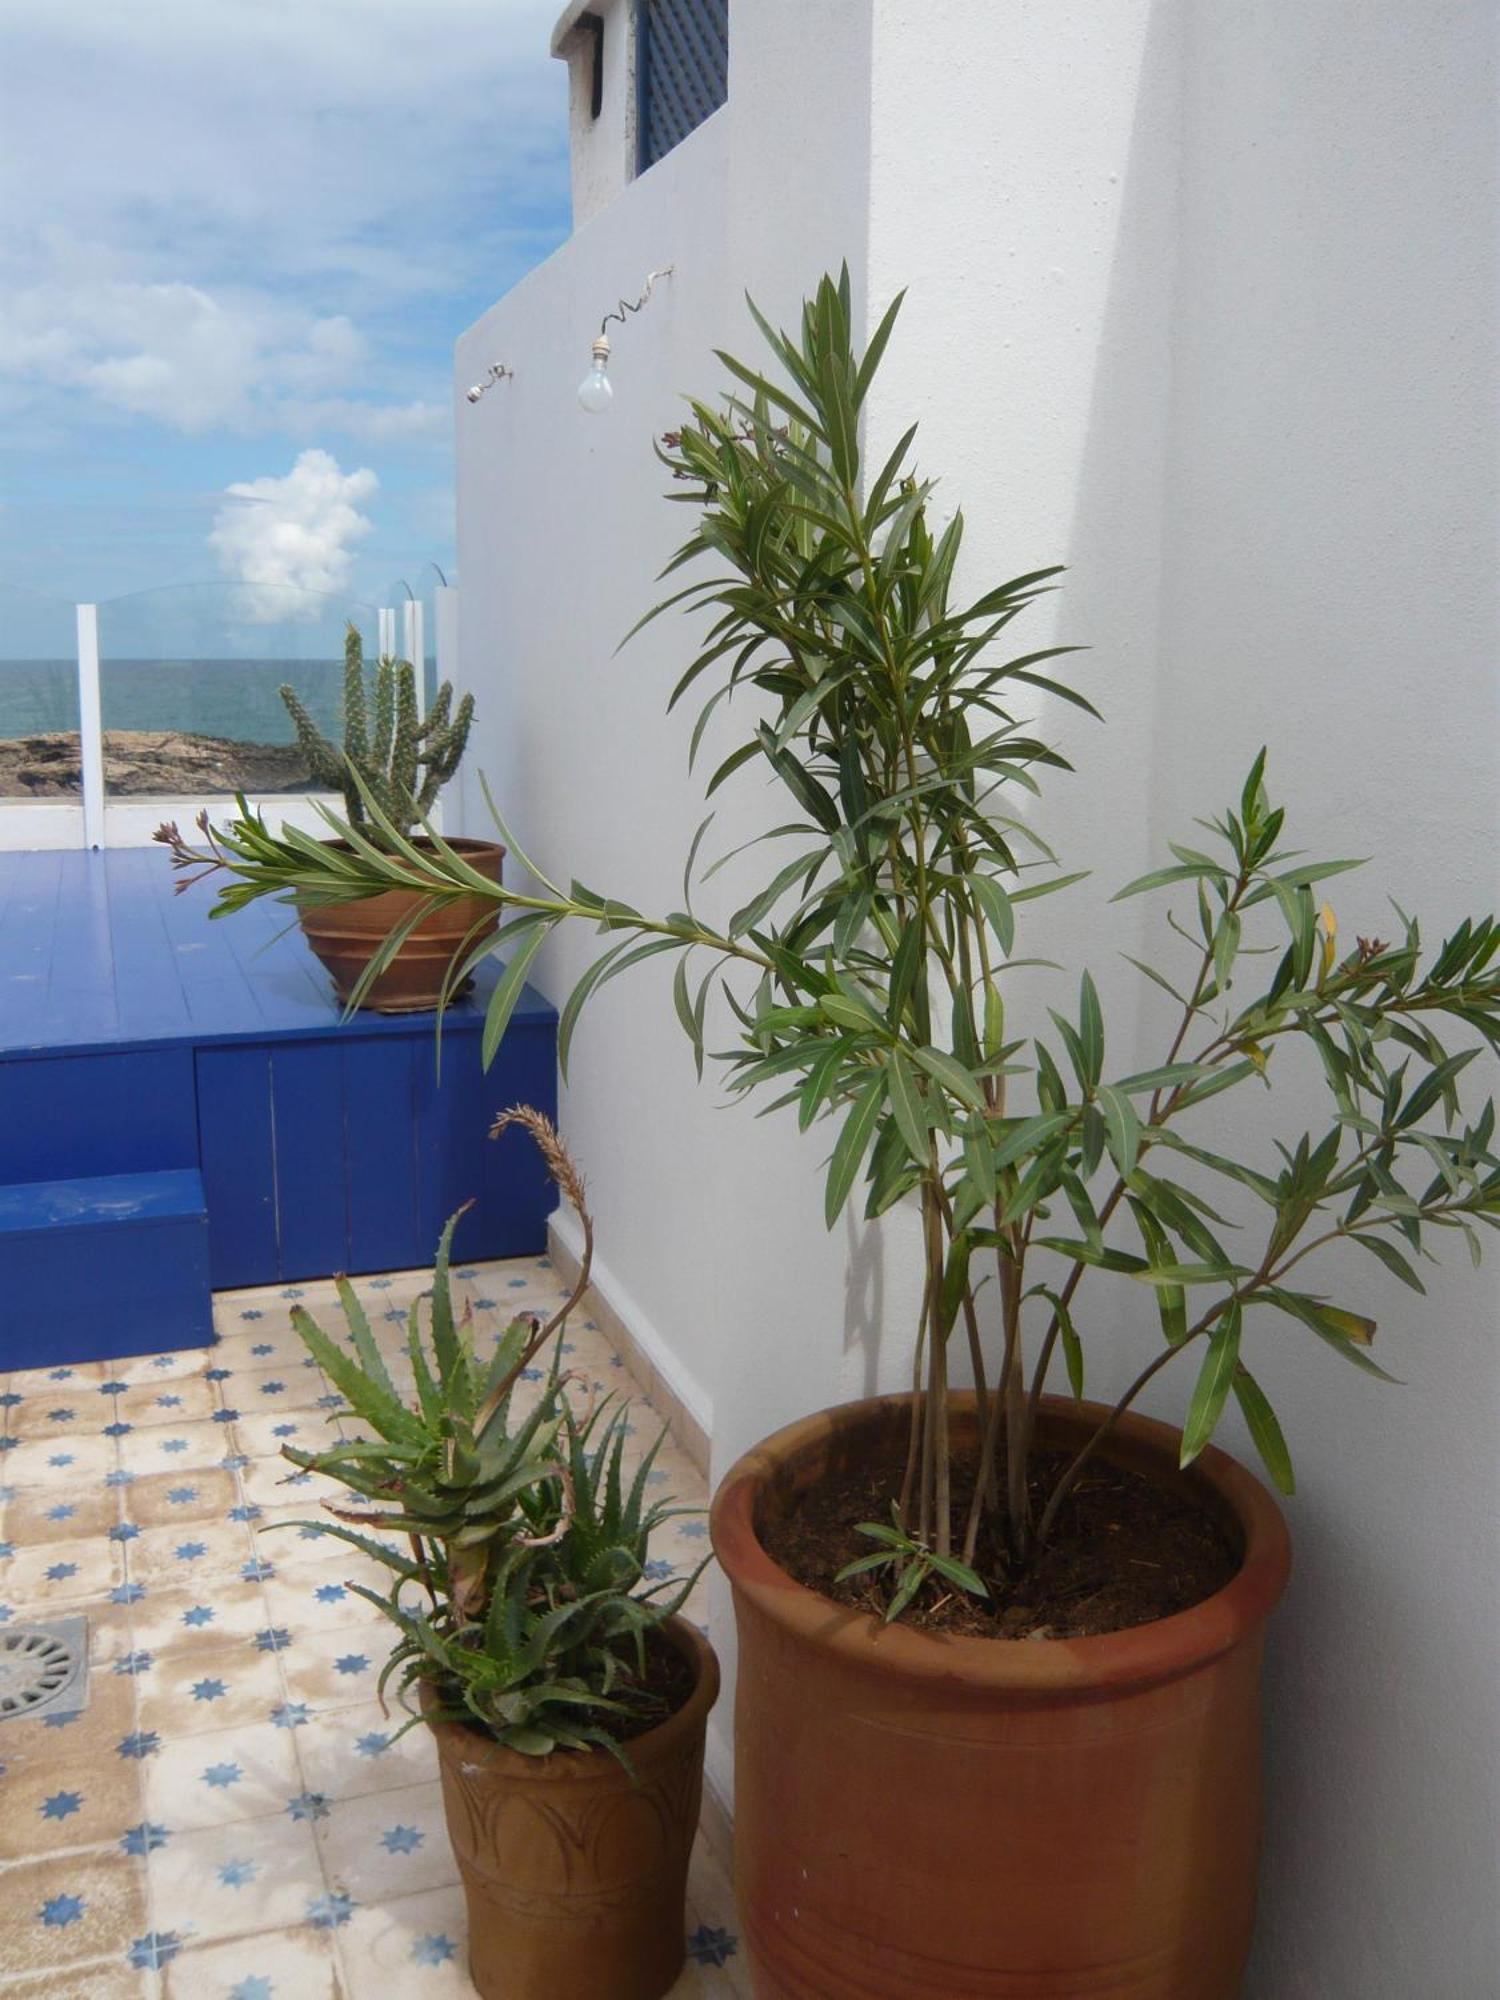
(42, 1668)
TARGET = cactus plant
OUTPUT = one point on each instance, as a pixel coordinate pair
(401, 762)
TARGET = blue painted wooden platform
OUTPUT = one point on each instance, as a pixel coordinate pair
(140, 1038)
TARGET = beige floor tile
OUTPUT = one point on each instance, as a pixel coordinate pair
(416, 1945)
(48, 1578)
(50, 1802)
(262, 1433)
(220, 1882)
(320, 1599)
(45, 1381)
(298, 1537)
(346, 1753)
(285, 1385)
(388, 1844)
(163, 1367)
(181, 1399)
(172, 1499)
(337, 1669)
(155, 1448)
(58, 1911)
(72, 1463)
(229, 1774)
(298, 1964)
(191, 1555)
(272, 1482)
(69, 1410)
(38, 1515)
(187, 1616)
(196, 1691)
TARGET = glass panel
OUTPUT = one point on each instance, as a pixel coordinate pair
(38, 696)
(189, 678)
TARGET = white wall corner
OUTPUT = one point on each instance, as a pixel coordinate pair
(597, 40)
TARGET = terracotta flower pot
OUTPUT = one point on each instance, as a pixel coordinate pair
(346, 936)
(575, 1875)
(919, 1818)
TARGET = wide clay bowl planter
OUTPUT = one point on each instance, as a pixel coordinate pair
(346, 936)
(920, 1818)
(575, 1875)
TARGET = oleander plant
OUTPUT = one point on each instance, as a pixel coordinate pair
(870, 980)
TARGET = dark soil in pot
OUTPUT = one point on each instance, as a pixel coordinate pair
(1124, 1551)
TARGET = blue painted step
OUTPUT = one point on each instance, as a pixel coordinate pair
(103, 1268)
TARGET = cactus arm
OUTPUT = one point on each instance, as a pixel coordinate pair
(356, 727)
(385, 715)
(323, 760)
(445, 752)
(406, 748)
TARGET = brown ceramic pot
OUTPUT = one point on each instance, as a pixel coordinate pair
(575, 1875)
(919, 1818)
(346, 936)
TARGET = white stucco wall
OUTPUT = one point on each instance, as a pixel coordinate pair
(1203, 304)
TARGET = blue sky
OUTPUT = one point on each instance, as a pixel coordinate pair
(237, 241)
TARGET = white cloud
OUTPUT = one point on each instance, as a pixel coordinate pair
(286, 536)
(179, 354)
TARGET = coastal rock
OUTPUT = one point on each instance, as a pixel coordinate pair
(147, 763)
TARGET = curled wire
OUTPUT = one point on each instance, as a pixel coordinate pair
(625, 308)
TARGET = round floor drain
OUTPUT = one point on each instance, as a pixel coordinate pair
(35, 1667)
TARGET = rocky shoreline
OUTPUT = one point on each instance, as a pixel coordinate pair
(144, 763)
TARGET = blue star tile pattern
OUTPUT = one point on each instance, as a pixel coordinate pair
(219, 1777)
(226, 1416)
(60, 1572)
(61, 1805)
(145, 1838)
(127, 1593)
(62, 1416)
(257, 1570)
(273, 1639)
(198, 1614)
(119, 1477)
(174, 1444)
(60, 1911)
(255, 1986)
(435, 1948)
(9, 1444)
(133, 1663)
(291, 1714)
(8, 1549)
(308, 1805)
(124, 1531)
(187, 1552)
(252, 1312)
(64, 1511)
(154, 1950)
(249, 1512)
(330, 1593)
(273, 1388)
(235, 1874)
(236, 1462)
(118, 1429)
(327, 1913)
(373, 1744)
(694, 1530)
(10, 1399)
(169, 1402)
(217, 1374)
(402, 1839)
(209, 1690)
(179, 1496)
(113, 1388)
(658, 1570)
(139, 1743)
(711, 1946)
(351, 1663)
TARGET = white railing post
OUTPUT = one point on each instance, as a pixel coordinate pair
(414, 647)
(90, 726)
(445, 649)
(386, 620)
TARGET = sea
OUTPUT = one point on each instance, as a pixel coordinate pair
(235, 699)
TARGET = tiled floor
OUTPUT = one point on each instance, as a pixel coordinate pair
(229, 1819)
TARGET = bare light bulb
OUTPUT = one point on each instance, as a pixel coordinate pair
(594, 391)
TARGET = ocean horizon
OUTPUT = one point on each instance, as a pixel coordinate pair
(234, 699)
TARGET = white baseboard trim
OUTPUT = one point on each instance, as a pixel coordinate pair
(677, 1394)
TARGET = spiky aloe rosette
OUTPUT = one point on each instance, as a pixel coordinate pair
(516, 1540)
(403, 761)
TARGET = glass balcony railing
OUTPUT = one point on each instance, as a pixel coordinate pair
(38, 697)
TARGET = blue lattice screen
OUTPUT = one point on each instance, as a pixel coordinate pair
(682, 69)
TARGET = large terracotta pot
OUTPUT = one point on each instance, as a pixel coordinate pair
(919, 1818)
(346, 936)
(575, 1875)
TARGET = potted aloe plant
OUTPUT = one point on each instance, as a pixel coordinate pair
(999, 1645)
(398, 762)
(567, 1698)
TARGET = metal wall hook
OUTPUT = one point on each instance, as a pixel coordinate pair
(496, 372)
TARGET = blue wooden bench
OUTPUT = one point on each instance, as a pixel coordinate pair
(181, 1103)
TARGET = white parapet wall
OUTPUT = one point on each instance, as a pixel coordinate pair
(1202, 304)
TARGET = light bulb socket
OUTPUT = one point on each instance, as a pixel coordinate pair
(601, 348)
